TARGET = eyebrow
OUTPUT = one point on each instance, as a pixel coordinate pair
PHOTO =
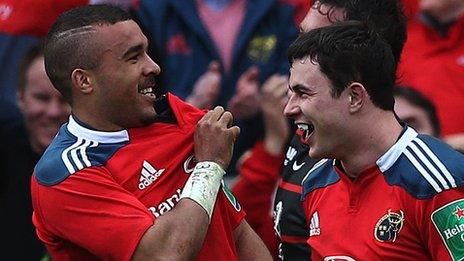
(298, 87)
(134, 49)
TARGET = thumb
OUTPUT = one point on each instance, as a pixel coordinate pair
(214, 66)
(252, 73)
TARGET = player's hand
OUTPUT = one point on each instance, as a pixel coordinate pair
(206, 88)
(273, 99)
(244, 104)
(215, 137)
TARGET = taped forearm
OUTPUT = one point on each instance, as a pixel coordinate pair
(203, 185)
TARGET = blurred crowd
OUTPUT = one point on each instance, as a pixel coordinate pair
(212, 52)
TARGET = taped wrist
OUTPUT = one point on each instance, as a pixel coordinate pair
(203, 185)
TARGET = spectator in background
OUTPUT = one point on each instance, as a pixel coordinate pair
(261, 168)
(22, 24)
(23, 142)
(433, 62)
(416, 110)
(238, 44)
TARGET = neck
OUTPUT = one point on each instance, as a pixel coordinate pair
(95, 120)
(375, 135)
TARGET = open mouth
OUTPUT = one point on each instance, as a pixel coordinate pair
(305, 131)
(146, 91)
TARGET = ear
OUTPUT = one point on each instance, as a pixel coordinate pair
(82, 81)
(357, 96)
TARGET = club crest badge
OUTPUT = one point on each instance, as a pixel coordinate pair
(261, 48)
(389, 226)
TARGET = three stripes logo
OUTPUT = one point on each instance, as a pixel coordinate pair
(429, 166)
(148, 175)
(75, 156)
(291, 153)
(314, 227)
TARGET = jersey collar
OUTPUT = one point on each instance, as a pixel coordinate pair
(390, 157)
(80, 131)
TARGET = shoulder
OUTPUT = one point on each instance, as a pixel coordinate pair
(321, 175)
(426, 166)
(68, 154)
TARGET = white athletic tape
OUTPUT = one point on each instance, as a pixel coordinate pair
(203, 185)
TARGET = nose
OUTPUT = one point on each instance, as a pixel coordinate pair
(291, 109)
(151, 67)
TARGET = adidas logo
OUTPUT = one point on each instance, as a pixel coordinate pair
(291, 153)
(148, 175)
(314, 229)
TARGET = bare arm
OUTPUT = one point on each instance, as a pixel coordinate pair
(179, 234)
(249, 245)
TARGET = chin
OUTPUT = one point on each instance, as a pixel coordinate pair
(316, 153)
(144, 119)
(313, 153)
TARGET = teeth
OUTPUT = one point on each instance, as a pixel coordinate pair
(306, 129)
(303, 127)
(146, 90)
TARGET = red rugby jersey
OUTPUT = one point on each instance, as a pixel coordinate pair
(96, 193)
(408, 206)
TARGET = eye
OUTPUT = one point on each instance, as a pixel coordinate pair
(301, 94)
(42, 97)
(135, 58)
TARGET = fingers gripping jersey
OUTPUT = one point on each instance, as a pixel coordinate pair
(409, 206)
(96, 193)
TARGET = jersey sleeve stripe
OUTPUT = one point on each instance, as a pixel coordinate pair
(422, 171)
(83, 153)
(435, 159)
(291, 187)
(74, 154)
(429, 166)
(64, 157)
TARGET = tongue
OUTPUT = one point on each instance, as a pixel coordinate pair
(304, 134)
(300, 132)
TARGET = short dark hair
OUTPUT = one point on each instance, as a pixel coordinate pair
(69, 44)
(417, 99)
(25, 63)
(385, 16)
(349, 52)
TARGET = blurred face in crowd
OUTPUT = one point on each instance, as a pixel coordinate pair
(444, 10)
(124, 83)
(413, 115)
(42, 106)
(316, 17)
(320, 115)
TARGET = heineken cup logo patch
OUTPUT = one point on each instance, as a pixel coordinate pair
(230, 196)
(449, 221)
